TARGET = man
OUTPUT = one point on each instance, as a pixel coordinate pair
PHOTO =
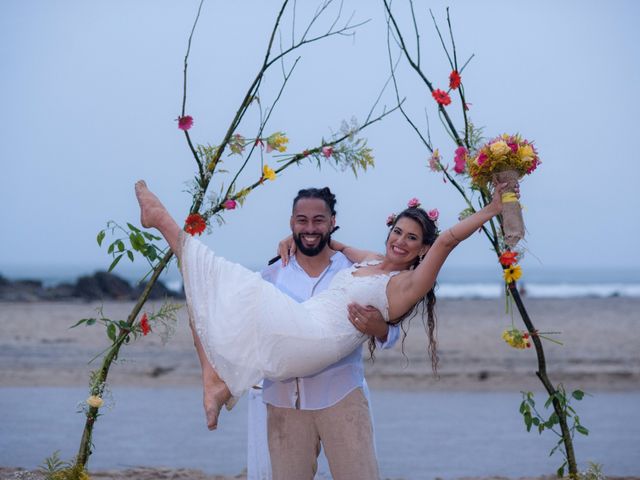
(329, 408)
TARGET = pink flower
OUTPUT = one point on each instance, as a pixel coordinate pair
(327, 151)
(482, 158)
(390, 219)
(185, 123)
(460, 160)
(513, 146)
(533, 166)
(413, 203)
(230, 204)
(433, 215)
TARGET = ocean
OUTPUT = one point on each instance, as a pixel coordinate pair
(453, 281)
(419, 435)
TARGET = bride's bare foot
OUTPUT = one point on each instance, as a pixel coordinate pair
(216, 394)
(152, 212)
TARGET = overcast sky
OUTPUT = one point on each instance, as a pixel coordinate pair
(90, 93)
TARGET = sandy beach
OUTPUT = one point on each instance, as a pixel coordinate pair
(37, 349)
(599, 352)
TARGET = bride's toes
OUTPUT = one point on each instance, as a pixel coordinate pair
(212, 412)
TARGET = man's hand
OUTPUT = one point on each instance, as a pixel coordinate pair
(368, 320)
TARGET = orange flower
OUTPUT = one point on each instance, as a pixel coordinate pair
(441, 97)
(508, 258)
(195, 224)
(144, 324)
(454, 80)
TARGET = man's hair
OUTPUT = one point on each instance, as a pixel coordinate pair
(321, 193)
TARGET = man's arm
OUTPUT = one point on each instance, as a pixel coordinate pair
(369, 320)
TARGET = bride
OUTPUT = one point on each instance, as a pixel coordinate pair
(245, 329)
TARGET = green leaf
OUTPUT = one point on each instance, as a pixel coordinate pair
(111, 332)
(582, 430)
(111, 248)
(535, 421)
(123, 324)
(528, 421)
(100, 237)
(130, 255)
(80, 322)
(115, 262)
(120, 245)
(560, 471)
(132, 228)
(150, 236)
(91, 321)
(577, 394)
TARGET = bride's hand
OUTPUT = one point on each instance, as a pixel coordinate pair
(286, 249)
(496, 201)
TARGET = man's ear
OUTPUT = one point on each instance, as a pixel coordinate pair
(333, 222)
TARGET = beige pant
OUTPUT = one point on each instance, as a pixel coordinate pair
(345, 432)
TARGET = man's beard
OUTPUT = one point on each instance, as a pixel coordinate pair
(311, 251)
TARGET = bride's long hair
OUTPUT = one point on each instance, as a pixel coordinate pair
(426, 305)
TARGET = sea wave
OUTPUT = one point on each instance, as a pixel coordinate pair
(541, 290)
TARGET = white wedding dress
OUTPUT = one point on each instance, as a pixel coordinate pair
(250, 330)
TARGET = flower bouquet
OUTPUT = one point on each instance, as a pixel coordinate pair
(507, 159)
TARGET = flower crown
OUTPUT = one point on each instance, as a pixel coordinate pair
(415, 203)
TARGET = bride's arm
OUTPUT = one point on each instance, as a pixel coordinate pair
(355, 255)
(407, 289)
(287, 248)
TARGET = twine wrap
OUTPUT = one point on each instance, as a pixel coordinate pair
(512, 221)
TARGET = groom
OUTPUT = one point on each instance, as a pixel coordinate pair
(329, 408)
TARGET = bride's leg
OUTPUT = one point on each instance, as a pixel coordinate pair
(154, 215)
(216, 392)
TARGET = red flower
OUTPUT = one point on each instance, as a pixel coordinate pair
(185, 123)
(508, 258)
(230, 204)
(194, 224)
(454, 80)
(441, 97)
(144, 324)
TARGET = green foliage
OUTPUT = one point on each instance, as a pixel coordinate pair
(53, 464)
(54, 468)
(137, 240)
(533, 418)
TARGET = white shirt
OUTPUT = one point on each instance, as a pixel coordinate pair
(335, 382)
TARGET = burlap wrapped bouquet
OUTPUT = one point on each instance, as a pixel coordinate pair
(507, 159)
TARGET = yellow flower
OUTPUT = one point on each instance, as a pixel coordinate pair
(268, 173)
(95, 401)
(525, 152)
(515, 338)
(512, 273)
(277, 141)
(499, 148)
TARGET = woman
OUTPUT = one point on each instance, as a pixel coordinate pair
(249, 330)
